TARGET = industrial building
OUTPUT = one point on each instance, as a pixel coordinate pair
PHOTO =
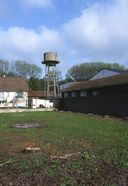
(103, 96)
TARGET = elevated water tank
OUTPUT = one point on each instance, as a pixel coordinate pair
(50, 58)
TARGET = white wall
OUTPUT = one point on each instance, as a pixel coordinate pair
(10, 99)
(45, 103)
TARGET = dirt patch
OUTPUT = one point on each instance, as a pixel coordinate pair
(13, 142)
(74, 171)
(27, 125)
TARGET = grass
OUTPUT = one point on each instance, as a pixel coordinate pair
(100, 145)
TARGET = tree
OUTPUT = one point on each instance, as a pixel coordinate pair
(84, 71)
(27, 70)
(36, 84)
(4, 67)
(34, 70)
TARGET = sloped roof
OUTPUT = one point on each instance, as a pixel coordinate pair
(12, 84)
(65, 85)
(114, 70)
(37, 93)
(110, 70)
(103, 82)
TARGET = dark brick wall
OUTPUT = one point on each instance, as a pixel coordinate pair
(102, 105)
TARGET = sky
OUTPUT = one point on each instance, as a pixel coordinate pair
(78, 30)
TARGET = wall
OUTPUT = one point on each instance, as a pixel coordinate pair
(10, 99)
(112, 100)
(101, 105)
(41, 103)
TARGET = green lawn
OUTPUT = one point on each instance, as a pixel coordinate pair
(99, 148)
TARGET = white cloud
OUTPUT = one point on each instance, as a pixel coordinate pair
(101, 32)
(20, 43)
(38, 3)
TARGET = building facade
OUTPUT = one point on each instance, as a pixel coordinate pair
(13, 92)
(104, 96)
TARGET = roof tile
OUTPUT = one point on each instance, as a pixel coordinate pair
(11, 84)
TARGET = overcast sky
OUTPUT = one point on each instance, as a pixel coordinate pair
(79, 30)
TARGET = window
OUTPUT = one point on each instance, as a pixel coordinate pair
(65, 94)
(1, 94)
(95, 93)
(19, 94)
(73, 94)
(83, 93)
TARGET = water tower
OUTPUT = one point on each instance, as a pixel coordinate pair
(51, 81)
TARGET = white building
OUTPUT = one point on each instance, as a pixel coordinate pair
(13, 92)
(37, 99)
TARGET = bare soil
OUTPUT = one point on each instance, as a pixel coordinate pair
(71, 171)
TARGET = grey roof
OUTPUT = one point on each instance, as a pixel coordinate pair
(117, 80)
(112, 70)
(65, 85)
